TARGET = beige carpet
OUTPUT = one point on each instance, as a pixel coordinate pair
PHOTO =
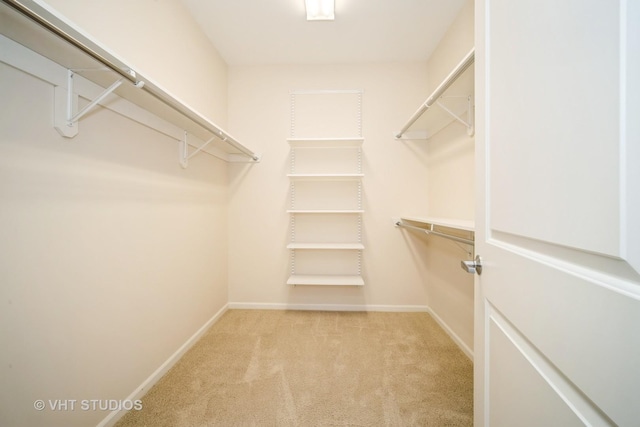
(304, 368)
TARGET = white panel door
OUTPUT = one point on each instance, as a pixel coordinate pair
(558, 167)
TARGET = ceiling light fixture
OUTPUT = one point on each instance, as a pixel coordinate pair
(320, 10)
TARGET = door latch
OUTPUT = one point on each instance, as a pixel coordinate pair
(472, 267)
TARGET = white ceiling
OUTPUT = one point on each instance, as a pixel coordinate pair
(277, 32)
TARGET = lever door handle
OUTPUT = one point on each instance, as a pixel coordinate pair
(472, 267)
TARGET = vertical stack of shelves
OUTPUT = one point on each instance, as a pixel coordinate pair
(325, 182)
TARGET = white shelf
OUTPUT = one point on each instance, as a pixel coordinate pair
(325, 280)
(325, 177)
(74, 49)
(325, 142)
(440, 227)
(458, 224)
(328, 246)
(451, 101)
(325, 211)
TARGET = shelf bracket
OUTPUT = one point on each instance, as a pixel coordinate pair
(467, 123)
(184, 155)
(66, 105)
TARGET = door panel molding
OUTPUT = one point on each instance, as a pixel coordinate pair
(577, 402)
(583, 327)
(614, 274)
(630, 131)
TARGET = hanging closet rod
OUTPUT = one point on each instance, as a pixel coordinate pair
(436, 233)
(73, 39)
(437, 93)
(40, 14)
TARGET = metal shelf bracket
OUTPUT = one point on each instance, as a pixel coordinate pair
(467, 123)
(184, 150)
(66, 106)
(184, 155)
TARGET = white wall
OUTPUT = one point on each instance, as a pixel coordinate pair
(111, 255)
(451, 152)
(450, 187)
(394, 184)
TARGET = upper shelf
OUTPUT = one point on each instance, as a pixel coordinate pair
(459, 224)
(40, 28)
(453, 99)
(325, 177)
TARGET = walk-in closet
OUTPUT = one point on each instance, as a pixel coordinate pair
(334, 213)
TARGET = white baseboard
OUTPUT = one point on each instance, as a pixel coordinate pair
(326, 307)
(465, 348)
(114, 416)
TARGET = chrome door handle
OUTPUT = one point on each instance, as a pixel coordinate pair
(472, 267)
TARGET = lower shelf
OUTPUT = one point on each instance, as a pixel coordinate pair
(325, 280)
(352, 246)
